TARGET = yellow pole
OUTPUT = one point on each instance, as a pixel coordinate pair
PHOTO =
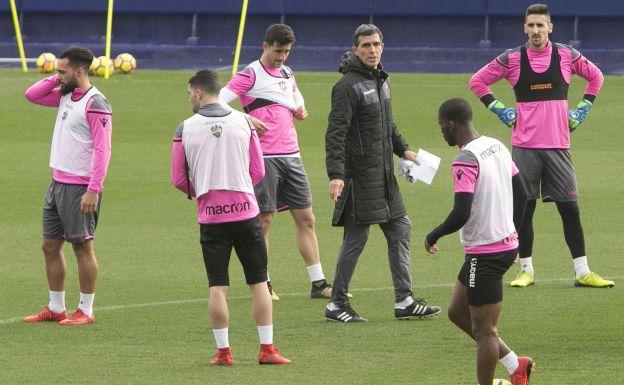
(239, 41)
(109, 30)
(18, 36)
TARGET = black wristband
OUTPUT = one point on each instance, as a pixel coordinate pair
(589, 97)
(487, 99)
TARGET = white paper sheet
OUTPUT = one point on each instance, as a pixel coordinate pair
(429, 164)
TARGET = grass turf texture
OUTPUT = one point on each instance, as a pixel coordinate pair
(151, 304)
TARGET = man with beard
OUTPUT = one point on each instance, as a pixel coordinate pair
(227, 207)
(540, 72)
(79, 158)
(490, 198)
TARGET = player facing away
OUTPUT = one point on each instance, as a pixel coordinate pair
(79, 158)
(267, 90)
(540, 72)
(216, 157)
(490, 198)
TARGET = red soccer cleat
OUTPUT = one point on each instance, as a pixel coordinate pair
(223, 357)
(46, 315)
(269, 355)
(78, 318)
(523, 373)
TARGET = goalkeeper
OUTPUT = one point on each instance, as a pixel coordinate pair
(540, 72)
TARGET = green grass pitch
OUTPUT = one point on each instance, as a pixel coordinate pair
(151, 304)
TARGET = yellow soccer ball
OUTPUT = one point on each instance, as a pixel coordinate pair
(46, 63)
(99, 67)
(500, 381)
(125, 63)
(94, 65)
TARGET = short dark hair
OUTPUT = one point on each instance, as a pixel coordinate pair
(280, 34)
(206, 80)
(456, 110)
(537, 9)
(365, 30)
(78, 57)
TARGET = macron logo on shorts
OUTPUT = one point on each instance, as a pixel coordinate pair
(473, 272)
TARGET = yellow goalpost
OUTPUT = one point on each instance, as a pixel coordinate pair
(20, 44)
(18, 36)
(239, 40)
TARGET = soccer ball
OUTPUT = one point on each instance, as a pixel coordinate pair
(125, 63)
(99, 64)
(46, 62)
(500, 381)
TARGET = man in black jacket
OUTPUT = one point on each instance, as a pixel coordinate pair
(359, 143)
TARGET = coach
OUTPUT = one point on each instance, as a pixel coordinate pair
(359, 143)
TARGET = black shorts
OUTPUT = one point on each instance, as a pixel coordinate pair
(247, 239)
(482, 274)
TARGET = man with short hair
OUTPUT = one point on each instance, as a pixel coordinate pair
(79, 158)
(489, 202)
(217, 158)
(360, 140)
(267, 91)
(540, 73)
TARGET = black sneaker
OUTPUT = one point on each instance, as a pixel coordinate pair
(344, 314)
(274, 296)
(419, 310)
(321, 289)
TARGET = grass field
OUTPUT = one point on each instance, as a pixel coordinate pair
(151, 304)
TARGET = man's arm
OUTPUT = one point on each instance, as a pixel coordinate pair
(520, 196)
(46, 92)
(256, 160)
(456, 219)
(99, 117)
(343, 106)
(480, 84)
(179, 174)
(465, 171)
(588, 71)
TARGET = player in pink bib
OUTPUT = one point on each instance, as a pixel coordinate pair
(79, 158)
(267, 90)
(490, 198)
(540, 72)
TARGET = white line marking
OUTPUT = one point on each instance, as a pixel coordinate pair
(198, 300)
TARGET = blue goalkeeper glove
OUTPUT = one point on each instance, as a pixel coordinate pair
(577, 116)
(506, 115)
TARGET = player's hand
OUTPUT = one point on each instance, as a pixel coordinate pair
(335, 188)
(88, 203)
(431, 249)
(578, 115)
(507, 115)
(259, 125)
(301, 113)
(411, 155)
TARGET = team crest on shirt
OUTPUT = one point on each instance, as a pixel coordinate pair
(216, 130)
(459, 174)
(64, 115)
(283, 85)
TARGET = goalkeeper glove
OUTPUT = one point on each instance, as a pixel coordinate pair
(577, 116)
(506, 115)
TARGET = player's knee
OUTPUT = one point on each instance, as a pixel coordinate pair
(484, 331)
(568, 210)
(307, 221)
(51, 249)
